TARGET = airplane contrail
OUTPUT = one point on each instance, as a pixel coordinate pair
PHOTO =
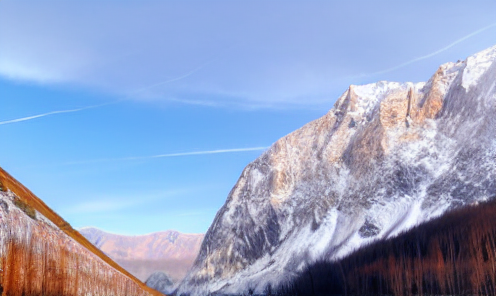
(235, 150)
(177, 78)
(189, 73)
(202, 152)
(430, 54)
(56, 112)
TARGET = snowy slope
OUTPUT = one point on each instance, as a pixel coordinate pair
(387, 157)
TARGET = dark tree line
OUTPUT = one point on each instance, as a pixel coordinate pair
(454, 254)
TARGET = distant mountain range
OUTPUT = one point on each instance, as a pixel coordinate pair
(387, 157)
(170, 252)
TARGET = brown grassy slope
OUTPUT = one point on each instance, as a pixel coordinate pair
(9, 182)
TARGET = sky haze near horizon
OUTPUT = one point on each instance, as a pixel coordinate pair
(93, 93)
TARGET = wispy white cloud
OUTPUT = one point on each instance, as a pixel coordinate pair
(110, 203)
(290, 61)
(424, 57)
(99, 206)
(56, 112)
(235, 150)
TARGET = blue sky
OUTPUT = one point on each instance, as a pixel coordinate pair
(141, 79)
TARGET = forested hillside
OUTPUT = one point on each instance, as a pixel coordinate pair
(452, 255)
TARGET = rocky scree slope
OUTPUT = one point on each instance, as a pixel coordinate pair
(387, 157)
(169, 251)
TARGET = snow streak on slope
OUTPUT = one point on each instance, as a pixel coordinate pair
(387, 157)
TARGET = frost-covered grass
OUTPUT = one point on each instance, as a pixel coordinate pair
(37, 258)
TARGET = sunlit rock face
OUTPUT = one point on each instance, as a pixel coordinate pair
(387, 157)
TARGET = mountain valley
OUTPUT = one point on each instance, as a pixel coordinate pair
(392, 191)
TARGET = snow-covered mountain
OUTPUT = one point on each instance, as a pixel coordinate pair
(388, 156)
(168, 251)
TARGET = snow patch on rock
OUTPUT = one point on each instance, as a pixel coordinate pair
(476, 66)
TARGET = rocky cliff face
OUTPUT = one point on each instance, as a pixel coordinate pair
(169, 251)
(386, 157)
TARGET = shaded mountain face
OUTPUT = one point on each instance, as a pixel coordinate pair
(41, 254)
(170, 251)
(160, 282)
(387, 157)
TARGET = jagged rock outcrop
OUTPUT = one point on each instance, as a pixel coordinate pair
(168, 251)
(160, 282)
(386, 157)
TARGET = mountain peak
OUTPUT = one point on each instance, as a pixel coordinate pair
(388, 156)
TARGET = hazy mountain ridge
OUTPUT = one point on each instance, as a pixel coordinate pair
(40, 253)
(387, 157)
(169, 251)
